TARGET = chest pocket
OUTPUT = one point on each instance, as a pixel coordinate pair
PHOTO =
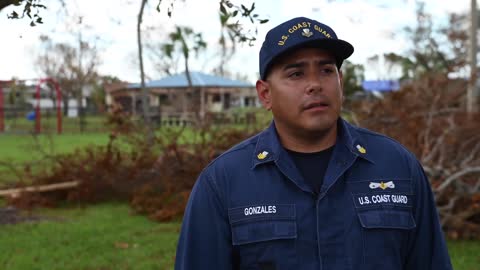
(384, 210)
(264, 236)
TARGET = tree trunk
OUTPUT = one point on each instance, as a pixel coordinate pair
(144, 91)
(472, 93)
(65, 99)
(189, 80)
(80, 111)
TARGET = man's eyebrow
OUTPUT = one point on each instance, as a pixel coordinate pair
(303, 63)
(294, 65)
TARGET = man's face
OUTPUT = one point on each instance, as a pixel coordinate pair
(304, 91)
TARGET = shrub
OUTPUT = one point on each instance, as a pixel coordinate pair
(156, 180)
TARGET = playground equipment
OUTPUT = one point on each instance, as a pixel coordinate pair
(38, 115)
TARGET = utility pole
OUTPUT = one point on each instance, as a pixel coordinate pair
(472, 91)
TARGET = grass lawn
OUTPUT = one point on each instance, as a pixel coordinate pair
(98, 237)
(24, 147)
(108, 237)
(465, 255)
(18, 150)
(21, 148)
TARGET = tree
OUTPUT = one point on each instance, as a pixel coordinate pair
(181, 35)
(145, 99)
(178, 47)
(73, 68)
(31, 8)
(99, 93)
(427, 116)
(353, 76)
(185, 40)
(433, 50)
(235, 29)
(232, 32)
(155, 51)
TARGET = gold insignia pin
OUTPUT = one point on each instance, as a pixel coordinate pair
(383, 186)
(361, 149)
(306, 33)
(262, 155)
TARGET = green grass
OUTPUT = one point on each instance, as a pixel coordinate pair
(108, 236)
(21, 148)
(98, 237)
(465, 255)
(18, 150)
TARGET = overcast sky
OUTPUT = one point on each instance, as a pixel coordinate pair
(372, 26)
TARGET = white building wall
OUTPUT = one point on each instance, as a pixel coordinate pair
(46, 103)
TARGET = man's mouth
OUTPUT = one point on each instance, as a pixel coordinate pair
(321, 105)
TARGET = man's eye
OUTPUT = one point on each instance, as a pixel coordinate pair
(328, 70)
(295, 74)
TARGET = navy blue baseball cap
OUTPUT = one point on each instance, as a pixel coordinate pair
(301, 32)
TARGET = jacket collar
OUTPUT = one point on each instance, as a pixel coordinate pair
(269, 148)
(352, 139)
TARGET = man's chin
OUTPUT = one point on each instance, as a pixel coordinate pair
(325, 125)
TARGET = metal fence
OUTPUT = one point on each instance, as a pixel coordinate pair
(27, 120)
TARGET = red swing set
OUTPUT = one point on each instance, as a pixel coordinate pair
(38, 116)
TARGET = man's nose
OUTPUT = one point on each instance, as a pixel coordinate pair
(314, 83)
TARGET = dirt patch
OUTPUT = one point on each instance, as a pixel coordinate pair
(12, 215)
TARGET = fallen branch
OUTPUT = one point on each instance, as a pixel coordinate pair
(15, 191)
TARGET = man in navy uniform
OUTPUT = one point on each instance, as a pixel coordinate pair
(311, 191)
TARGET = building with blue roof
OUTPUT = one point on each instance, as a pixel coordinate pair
(199, 80)
(381, 85)
(173, 97)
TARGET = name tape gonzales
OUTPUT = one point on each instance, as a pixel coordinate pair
(256, 210)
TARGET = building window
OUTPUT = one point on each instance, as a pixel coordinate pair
(249, 101)
(163, 98)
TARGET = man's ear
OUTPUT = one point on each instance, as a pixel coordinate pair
(263, 93)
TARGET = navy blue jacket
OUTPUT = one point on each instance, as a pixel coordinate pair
(251, 209)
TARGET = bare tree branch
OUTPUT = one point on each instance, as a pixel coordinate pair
(456, 176)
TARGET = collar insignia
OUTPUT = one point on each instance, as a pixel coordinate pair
(382, 185)
(361, 149)
(262, 155)
(306, 32)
